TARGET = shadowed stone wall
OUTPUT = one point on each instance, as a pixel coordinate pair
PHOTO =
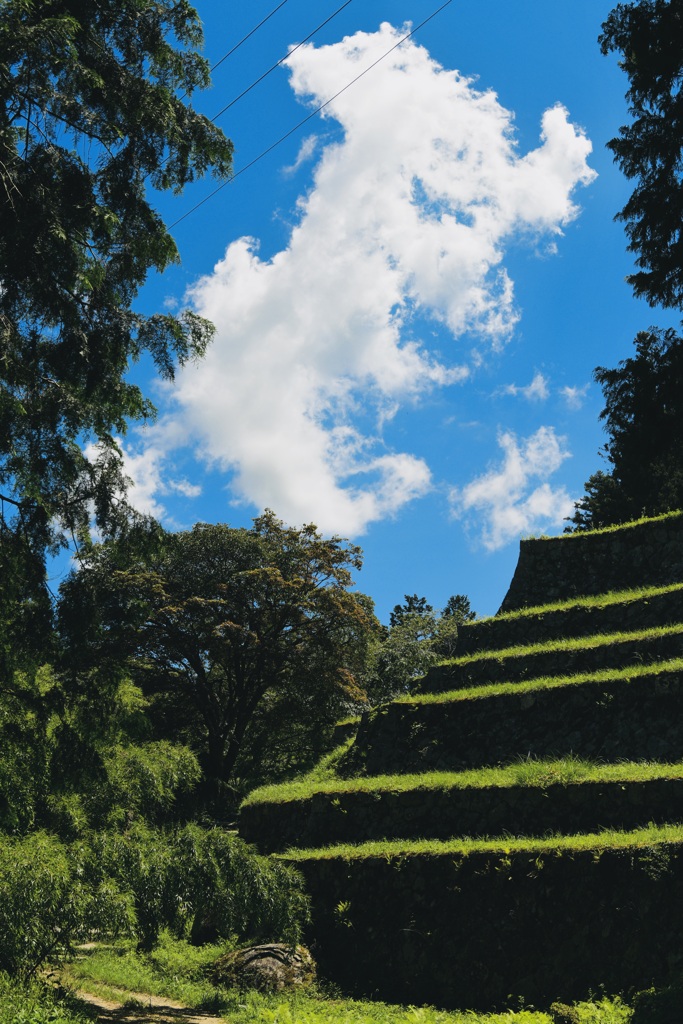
(551, 569)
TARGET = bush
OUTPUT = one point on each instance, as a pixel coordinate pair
(204, 881)
(50, 896)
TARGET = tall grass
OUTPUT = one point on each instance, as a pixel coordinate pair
(34, 1003)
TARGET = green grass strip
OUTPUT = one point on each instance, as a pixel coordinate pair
(615, 528)
(505, 845)
(570, 770)
(541, 683)
(611, 597)
(583, 643)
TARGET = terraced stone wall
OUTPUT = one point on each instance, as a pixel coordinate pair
(499, 632)
(474, 930)
(636, 719)
(359, 817)
(559, 568)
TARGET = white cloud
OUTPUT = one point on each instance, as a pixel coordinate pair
(574, 396)
(306, 152)
(537, 391)
(407, 219)
(504, 502)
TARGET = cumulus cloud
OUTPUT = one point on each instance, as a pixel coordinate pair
(507, 501)
(405, 226)
(536, 391)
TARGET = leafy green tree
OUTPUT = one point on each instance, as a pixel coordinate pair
(413, 605)
(416, 639)
(648, 35)
(94, 114)
(221, 624)
(643, 416)
(459, 609)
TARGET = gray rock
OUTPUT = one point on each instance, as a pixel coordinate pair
(268, 968)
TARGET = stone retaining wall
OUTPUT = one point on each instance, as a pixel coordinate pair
(632, 720)
(328, 818)
(559, 568)
(523, 666)
(638, 613)
(480, 930)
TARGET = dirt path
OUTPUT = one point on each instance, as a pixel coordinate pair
(154, 1010)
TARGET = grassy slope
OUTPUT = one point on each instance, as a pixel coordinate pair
(591, 601)
(674, 665)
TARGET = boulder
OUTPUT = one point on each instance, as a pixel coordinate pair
(271, 967)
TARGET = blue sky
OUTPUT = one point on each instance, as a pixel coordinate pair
(411, 292)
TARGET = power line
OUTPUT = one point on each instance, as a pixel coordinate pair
(309, 116)
(243, 40)
(281, 61)
(248, 35)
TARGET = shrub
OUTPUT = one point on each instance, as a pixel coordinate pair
(206, 881)
(50, 896)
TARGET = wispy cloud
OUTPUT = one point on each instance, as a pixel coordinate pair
(306, 152)
(405, 226)
(574, 396)
(536, 391)
(507, 501)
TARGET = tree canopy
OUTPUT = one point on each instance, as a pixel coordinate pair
(94, 115)
(643, 413)
(237, 633)
(648, 35)
(643, 416)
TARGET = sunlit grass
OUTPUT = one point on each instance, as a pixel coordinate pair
(615, 528)
(543, 683)
(121, 968)
(175, 969)
(565, 645)
(525, 772)
(590, 601)
(596, 842)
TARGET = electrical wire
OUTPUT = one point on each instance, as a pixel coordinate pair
(248, 36)
(281, 61)
(309, 116)
(243, 40)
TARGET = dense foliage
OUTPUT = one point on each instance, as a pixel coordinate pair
(416, 638)
(648, 35)
(643, 416)
(643, 413)
(96, 831)
(94, 114)
(238, 636)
